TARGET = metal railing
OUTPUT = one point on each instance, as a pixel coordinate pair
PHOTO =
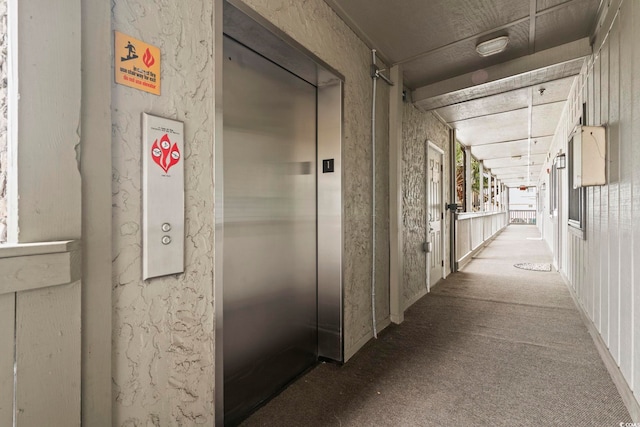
(522, 217)
(473, 230)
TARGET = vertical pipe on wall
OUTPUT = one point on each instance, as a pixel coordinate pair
(375, 75)
(373, 196)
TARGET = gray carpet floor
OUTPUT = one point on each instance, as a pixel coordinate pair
(492, 345)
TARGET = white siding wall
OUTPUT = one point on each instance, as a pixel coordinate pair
(604, 267)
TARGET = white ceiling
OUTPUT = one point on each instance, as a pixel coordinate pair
(494, 103)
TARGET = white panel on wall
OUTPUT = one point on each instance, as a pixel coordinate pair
(613, 149)
(48, 356)
(635, 207)
(593, 204)
(588, 253)
(589, 161)
(625, 171)
(603, 101)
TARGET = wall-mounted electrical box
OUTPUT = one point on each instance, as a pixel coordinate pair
(589, 156)
(162, 196)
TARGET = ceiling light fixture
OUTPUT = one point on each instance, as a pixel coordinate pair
(493, 46)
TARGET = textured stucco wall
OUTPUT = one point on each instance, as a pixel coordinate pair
(418, 127)
(3, 120)
(163, 329)
(314, 25)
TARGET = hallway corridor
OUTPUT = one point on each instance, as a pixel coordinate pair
(491, 345)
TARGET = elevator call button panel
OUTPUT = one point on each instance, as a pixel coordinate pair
(162, 196)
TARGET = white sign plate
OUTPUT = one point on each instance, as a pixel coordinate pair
(162, 196)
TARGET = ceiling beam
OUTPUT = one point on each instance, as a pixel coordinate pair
(533, 5)
(523, 140)
(517, 158)
(480, 116)
(454, 123)
(540, 67)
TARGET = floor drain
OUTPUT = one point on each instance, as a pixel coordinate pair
(533, 266)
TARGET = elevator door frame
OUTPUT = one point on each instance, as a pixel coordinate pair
(238, 21)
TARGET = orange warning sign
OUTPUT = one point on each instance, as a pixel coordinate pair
(137, 64)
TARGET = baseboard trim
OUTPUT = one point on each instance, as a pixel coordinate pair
(415, 298)
(633, 406)
(350, 352)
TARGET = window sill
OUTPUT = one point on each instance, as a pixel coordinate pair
(10, 250)
(37, 265)
(577, 231)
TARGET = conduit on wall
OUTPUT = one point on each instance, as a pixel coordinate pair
(376, 73)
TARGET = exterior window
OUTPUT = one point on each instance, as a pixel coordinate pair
(576, 197)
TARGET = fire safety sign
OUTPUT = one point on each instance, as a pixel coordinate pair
(137, 64)
(162, 196)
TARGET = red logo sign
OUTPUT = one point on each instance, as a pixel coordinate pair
(148, 58)
(164, 154)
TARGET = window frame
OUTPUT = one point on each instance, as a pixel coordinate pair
(576, 209)
(553, 190)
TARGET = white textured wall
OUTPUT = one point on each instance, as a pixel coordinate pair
(163, 349)
(3, 120)
(314, 25)
(163, 329)
(417, 128)
(163, 358)
(46, 108)
(603, 269)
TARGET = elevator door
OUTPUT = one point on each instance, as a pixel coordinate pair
(269, 252)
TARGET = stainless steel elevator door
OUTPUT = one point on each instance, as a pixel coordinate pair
(269, 252)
